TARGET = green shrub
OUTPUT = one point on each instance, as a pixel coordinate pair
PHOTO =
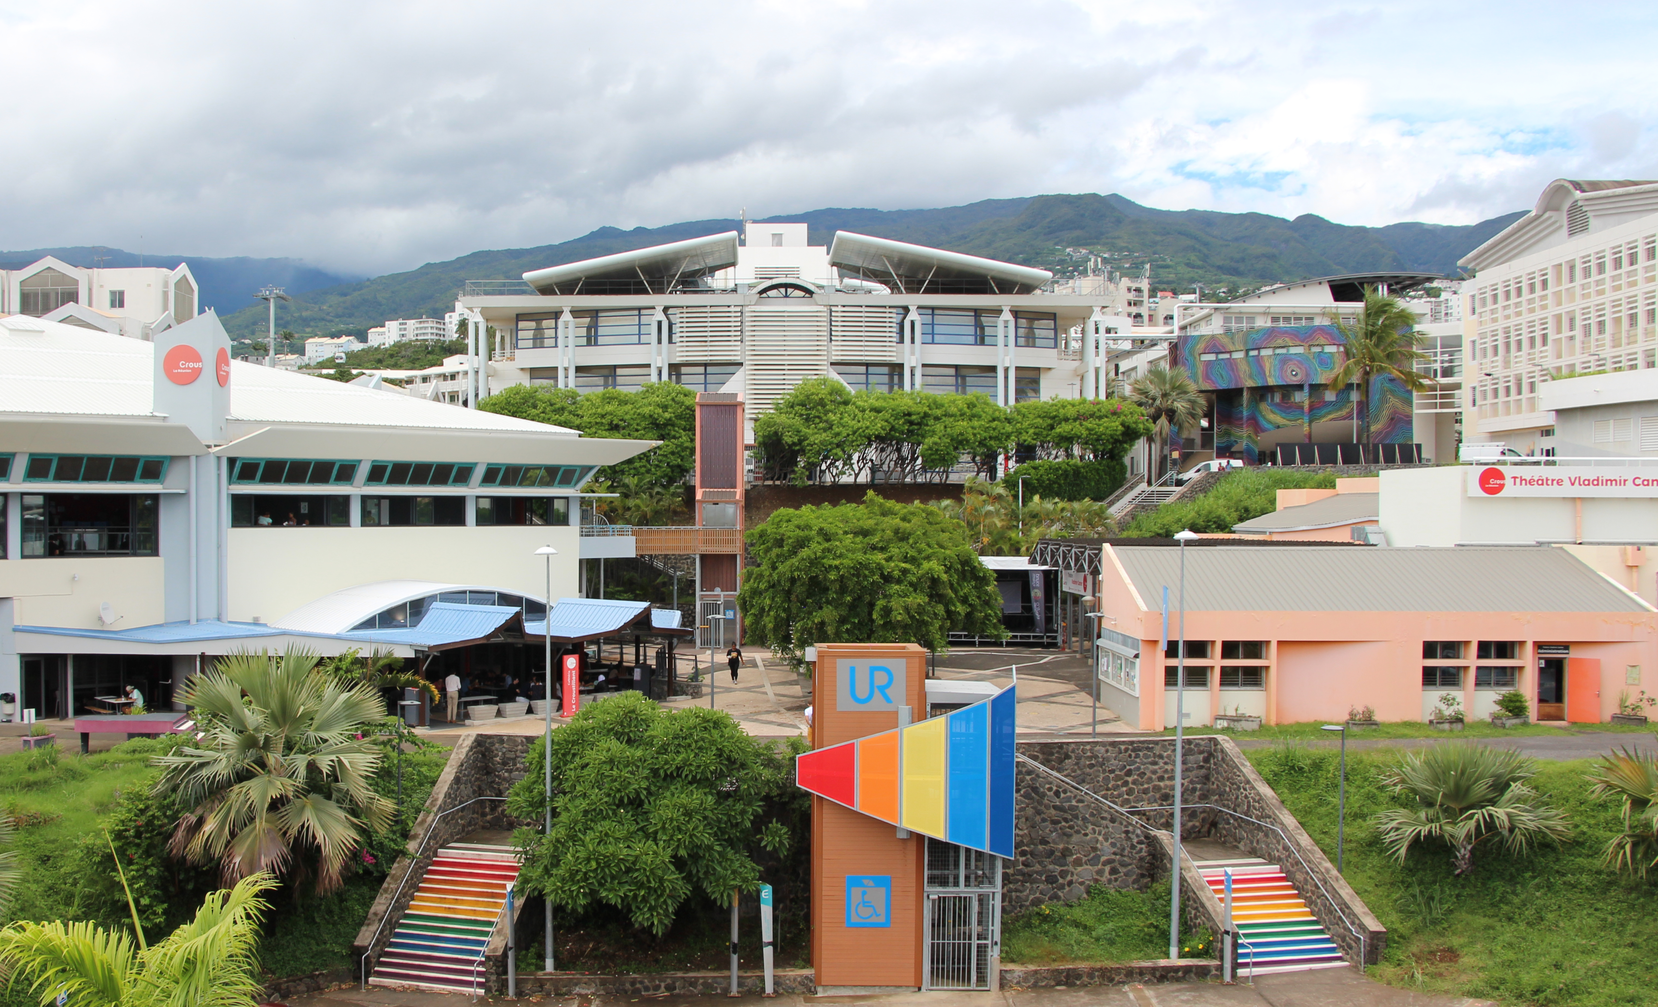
(1069, 480)
(1240, 494)
(1513, 704)
(1109, 925)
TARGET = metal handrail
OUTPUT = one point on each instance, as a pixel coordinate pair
(1363, 944)
(483, 952)
(419, 852)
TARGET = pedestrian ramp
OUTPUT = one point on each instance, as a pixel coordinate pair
(439, 943)
(1277, 932)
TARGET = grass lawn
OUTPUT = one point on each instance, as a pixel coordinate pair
(1110, 925)
(1391, 730)
(1551, 927)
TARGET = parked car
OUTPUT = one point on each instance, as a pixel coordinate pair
(1205, 467)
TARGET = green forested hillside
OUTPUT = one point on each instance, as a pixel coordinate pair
(1230, 251)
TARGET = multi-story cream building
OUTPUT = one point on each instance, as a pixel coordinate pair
(130, 301)
(720, 315)
(1570, 289)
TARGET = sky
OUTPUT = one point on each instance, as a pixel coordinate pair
(371, 137)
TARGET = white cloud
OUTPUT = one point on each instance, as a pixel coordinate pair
(378, 135)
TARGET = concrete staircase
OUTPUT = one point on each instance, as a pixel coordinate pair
(439, 943)
(1276, 930)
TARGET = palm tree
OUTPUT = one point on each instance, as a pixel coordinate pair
(1169, 399)
(209, 961)
(1466, 794)
(10, 872)
(279, 777)
(1381, 342)
(1634, 778)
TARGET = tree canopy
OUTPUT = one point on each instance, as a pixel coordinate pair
(998, 526)
(650, 806)
(1380, 343)
(824, 431)
(658, 411)
(875, 572)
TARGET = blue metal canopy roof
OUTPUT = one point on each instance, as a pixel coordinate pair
(445, 625)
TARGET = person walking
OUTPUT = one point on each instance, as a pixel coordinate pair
(734, 658)
(452, 689)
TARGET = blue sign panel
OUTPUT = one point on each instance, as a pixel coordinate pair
(868, 900)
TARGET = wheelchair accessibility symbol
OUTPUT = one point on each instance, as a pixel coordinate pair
(868, 900)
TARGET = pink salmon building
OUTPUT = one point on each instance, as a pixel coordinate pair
(1309, 633)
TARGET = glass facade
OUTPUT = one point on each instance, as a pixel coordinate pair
(409, 613)
(288, 510)
(398, 512)
(625, 377)
(89, 524)
(607, 327)
(1027, 381)
(523, 511)
(973, 327)
(704, 377)
(879, 377)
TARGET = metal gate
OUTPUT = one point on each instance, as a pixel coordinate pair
(964, 916)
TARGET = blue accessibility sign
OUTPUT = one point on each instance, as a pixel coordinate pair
(868, 900)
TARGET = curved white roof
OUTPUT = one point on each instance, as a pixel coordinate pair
(676, 260)
(909, 267)
(338, 612)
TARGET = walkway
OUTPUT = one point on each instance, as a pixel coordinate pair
(1329, 988)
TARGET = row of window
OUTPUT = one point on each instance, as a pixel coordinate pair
(290, 472)
(1484, 650)
(1230, 650)
(1590, 265)
(1450, 677)
(286, 472)
(251, 510)
(635, 326)
(91, 524)
(1268, 351)
(93, 469)
(1248, 676)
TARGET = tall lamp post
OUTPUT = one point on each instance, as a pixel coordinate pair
(1341, 805)
(270, 295)
(548, 552)
(1179, 750)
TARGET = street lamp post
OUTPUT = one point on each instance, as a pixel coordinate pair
(1179, 750)
(1021, 511)
(1341, 803)
(548, 552)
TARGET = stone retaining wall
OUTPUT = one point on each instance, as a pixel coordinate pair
(481, 765)
(681, 984)
(1184, 970)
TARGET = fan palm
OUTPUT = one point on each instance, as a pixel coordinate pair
(279, 777)
(1465, 795)
(10, 872)
(1634, 778)
(208, 962)
(1380, 342)
(1169, 399)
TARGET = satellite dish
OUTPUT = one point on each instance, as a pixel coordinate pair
(106, 614)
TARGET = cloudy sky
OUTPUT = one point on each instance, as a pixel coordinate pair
(371, 137)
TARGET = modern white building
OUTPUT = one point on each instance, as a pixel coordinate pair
(130, 301)
(1569, 289)
(402, 329)
(323, 348)
(159, 502)
(719, 314)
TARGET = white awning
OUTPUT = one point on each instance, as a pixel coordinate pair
(659, 267)
(917, 269)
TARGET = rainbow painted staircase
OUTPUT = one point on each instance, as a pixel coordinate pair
(440, 940)
(1276, 930)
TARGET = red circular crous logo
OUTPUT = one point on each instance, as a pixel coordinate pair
(1492, 481)
(182, 364)
(222, 365)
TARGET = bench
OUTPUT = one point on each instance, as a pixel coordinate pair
(138, 725)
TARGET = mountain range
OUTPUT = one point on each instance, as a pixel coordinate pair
(1228, 253)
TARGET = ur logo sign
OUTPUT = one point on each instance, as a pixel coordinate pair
(222, 365)
(182, 364)
(1492, 481)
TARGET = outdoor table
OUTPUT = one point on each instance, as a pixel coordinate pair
(118, 702)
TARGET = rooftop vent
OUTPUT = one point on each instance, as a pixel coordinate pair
(1577, 219)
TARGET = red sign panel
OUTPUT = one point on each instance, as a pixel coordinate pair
(572, 684)
(182, 364)
(223, 364)
(1492, 481)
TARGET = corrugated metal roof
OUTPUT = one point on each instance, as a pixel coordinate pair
(1330, 512)
(1342, 578)
(204, 631)
(666, 618)
(585, 618)
(443, 624)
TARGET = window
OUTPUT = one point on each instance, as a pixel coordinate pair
(871, 377)
(939, 380)
(970, 327)
(94, 469)
(610, 327)
(1285, 320)
(565, 476)
(1243, 650)
(1441, 677)
(47, 291)
(89, 524)
(289, 510)
(1243, 677)
(1197, 677)
(704, 377)
(624, 377)
(1195, 649)
(1120, 670)
(287, 472)
(523, 510)
(410, 613)
(419, 473)
(1497, 678)
(1238, 323)
(1498, 650)
(5, 467)
(117, 298)
(776, 239)
(1571, 272)
(396, 512)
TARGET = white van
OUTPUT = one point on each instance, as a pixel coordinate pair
(1205, 467)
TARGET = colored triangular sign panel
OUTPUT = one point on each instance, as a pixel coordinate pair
(948, 777)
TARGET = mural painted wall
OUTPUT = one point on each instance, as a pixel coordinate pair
(1269, 381)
